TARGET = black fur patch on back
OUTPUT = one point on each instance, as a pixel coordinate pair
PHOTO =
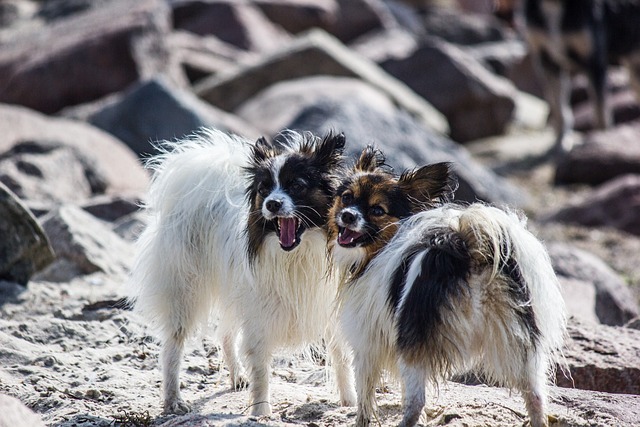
(399, 278)
(519, 291)
(442, 280)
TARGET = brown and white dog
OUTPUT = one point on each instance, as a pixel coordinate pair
(431, 289)
(569, 36)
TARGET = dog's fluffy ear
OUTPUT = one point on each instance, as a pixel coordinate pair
(262, 149)
(429, 185)
(370, 160)
(329, 150)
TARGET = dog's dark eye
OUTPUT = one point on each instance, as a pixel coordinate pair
(347, 198)
(263, 189)
(376, 211)
(297, 187)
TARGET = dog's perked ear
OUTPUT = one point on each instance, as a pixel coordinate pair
(262, 149)
(370, 160)
(429, 185)
(329, 150)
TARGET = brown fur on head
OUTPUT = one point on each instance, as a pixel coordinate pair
(371, 201)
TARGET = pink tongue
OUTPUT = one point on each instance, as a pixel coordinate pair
(287, 232)
(348, 236)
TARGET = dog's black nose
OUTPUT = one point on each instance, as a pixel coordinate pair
(347, 217)
(274, 205)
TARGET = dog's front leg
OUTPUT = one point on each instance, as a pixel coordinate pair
(259, 359)
(342, 368)
(367, 373)
(171, 357)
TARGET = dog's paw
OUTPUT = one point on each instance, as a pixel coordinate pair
(240, 382)
(348, 398)
(362, 420)
(176, 406)
(261, 409)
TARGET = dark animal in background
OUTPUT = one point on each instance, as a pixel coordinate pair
(569, 36)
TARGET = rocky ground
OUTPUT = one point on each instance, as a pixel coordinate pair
(86, 85)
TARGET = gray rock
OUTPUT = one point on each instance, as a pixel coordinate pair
(87, 56)
(602, 358)
(155, 110)
(580, 299)
(112, 208)
(358, 17)
(296, 16)
(241, 24)
(621, 99)
(614, 204)
(54, 10)
(315, 53)
(101, 163)
(476, 102)
(344, 19)
(130, 226)
(633, 323)
(278, 105)
(406, 144)
(381, 46)
(603, 156)
(202, 56)
(502, 57)
(462, 28)
(47, 172)
(83, 245)
(24, 247)
(14, 413)
(614, 302)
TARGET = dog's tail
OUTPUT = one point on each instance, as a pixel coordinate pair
(197, 189)
(499, 239)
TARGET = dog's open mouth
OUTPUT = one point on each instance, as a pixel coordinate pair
(348, 238)
(289, 231)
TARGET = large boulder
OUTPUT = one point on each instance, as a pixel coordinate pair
(603, 156)
(463, 28)
(406, 144)
(156, 110)
(358, 17)
(476, 102)
(315, 53)
(278, 105)
(602, 358)
(112, 208)
(614, 303)
(344, 19)
(614, 204)
(202, 56)
(579, 298)
(33, 147)
(239, 23)
(46, 172)
(296, 16)
(83, 244)
(24, 247)
(87, 55)
(381, 46)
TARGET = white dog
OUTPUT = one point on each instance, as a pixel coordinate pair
(239, 230)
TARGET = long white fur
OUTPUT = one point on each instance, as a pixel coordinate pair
(193, 262)
(481, 340)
